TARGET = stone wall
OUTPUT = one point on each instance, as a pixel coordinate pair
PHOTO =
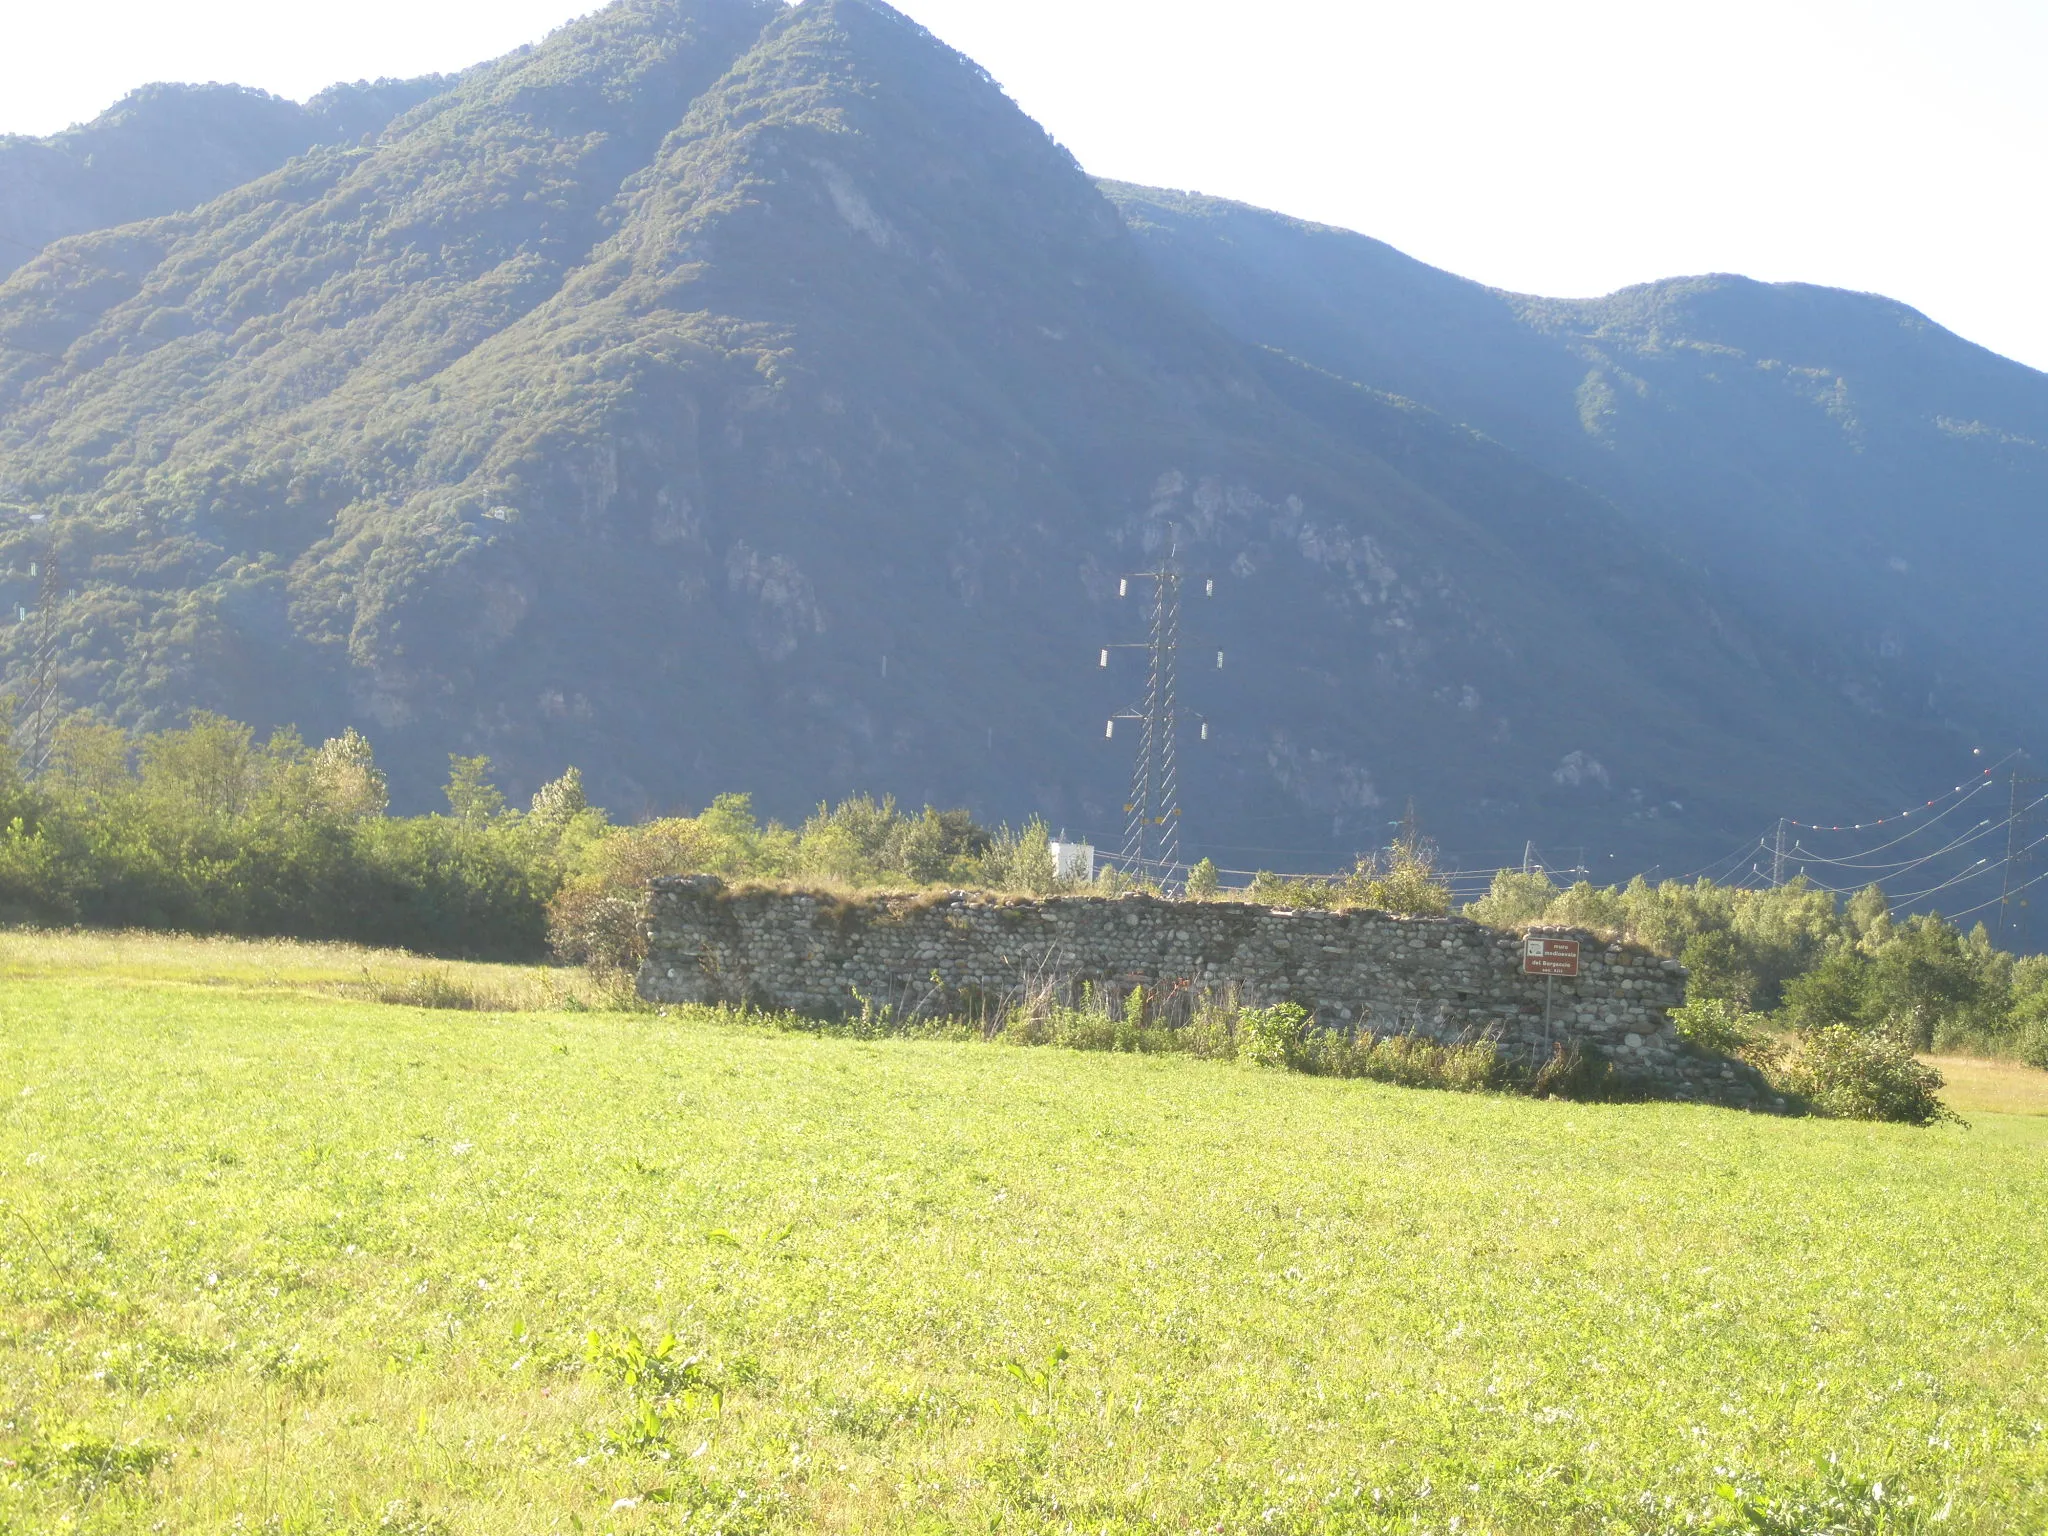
(1445, 977)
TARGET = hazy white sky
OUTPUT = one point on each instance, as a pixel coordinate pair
(1568, 147)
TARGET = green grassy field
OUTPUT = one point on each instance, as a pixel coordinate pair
(282, 1261)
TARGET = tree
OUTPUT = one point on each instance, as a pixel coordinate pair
(1835, 992)
(208, 769)
(1923, 979)
(1716, 969)
(1869, 916)
(472, 798)
(938, 844)
(556, 802)
(347, 779)
(89, 762)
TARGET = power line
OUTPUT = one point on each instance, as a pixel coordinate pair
(1781, 848)
(1913, 831)
(1977, 871)
(1720, 869)
(2010, 892)
(1897, 867)
(1911, 810)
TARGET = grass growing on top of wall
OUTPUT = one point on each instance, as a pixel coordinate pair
(278, 1261)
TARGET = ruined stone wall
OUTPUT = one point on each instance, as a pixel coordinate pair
(1445, 977)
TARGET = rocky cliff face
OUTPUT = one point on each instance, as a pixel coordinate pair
(723, 395)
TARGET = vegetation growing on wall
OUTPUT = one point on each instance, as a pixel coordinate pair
(1796, 958)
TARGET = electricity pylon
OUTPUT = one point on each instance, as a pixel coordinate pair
(40, 703)
(1152, 814)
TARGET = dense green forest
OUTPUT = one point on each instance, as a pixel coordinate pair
(205, 829)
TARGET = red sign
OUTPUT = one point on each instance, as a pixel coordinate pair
(1550, 957)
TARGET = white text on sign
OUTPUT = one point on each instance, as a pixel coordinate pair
(1550, 957)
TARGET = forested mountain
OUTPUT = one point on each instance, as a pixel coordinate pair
(719, 395)
(167, 147)
(1876, 484)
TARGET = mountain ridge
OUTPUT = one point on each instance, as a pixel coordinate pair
(166, 147)
(1558, 379)
(723, 394)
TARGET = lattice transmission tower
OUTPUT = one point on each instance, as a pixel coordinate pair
(2012, 899)
(1152, 814)
(40, 702)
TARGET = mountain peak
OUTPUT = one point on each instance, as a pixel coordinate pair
(719, 394)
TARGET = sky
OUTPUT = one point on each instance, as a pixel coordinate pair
(1566, 148)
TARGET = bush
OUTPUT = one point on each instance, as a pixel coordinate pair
(1272, 1037)
(1718, 1025)
(1516, 898)
(1411, 1061)
(1850, 1074)
(1579, 1072)
(594, 919)
(1407, 883)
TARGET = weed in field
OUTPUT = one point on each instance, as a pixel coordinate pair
(1578, 1071)
(1833, 1503)
(406, 1517)
(429, 989)
(158, 1359)
(1272, 1037)
(657, 1371)
(1040, 1383)
(85, 1463)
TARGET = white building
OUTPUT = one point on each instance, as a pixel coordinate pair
(1073, 861)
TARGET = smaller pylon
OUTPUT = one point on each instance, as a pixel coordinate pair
(40, 703)
(2012, 896)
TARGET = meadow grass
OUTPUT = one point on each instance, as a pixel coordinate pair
(333, 969)
(1974, 1086)
(280, 1261)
